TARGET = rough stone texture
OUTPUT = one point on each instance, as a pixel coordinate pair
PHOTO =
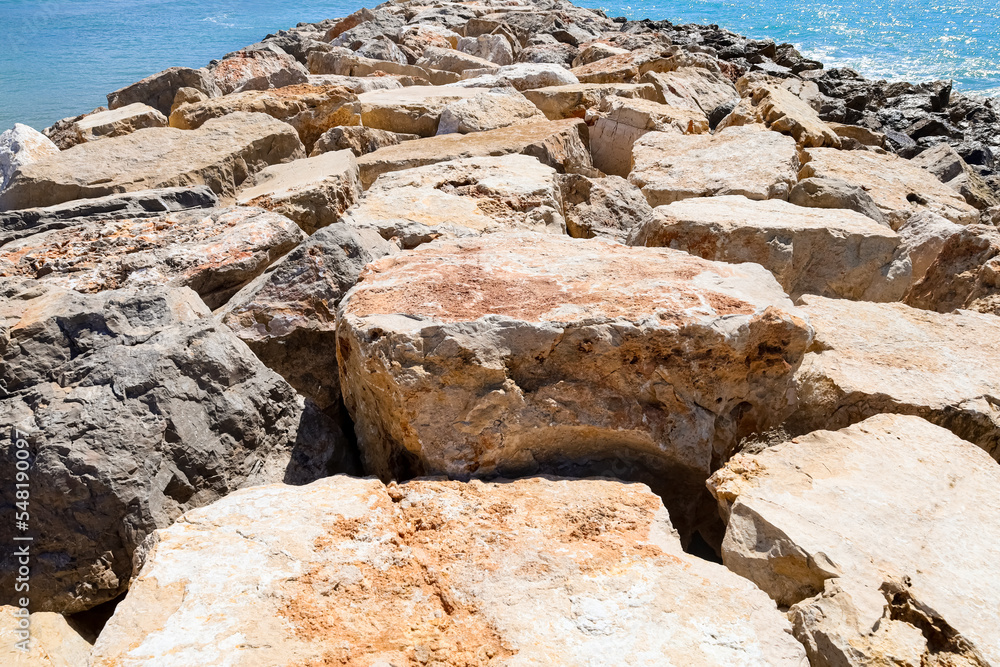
(782, 112)
(64, 133)
(561, 145)
(488, 111)
(20, 146)
(523, 76)
(573, 101)
(514, 354)
(530, 572)
(222, 154)
(257, 70)
(287, 316)
(358, 84)
(159, 90)
(621, 68)
(136, 407)
(313, 192)
(622, 121)
(114, 123)
(898, 187)
(871, 358)
(311, 110)
(412, 110)
(964, 274)
(214, 252)
(451, 60)
(358, 139)
(420, 37)
(922, 239)
(52, 642)
(839, 254)
(948, 166)
(494, 48)
(465, 197)
(356, 66)
(608, 207)
(749, 161)
(693, 87)
(835, 194)
(883, 537)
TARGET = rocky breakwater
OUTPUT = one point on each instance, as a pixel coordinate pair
(573, 341)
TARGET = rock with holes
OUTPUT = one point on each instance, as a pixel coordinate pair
(518, 353)
(608, 207)
(749, 161)
(573, 101)
(105, 124)
(465, 197)
(215, 252)
(870, 358)
(221, 154)
(834, 253)
(500, 107)
(136, 406)
(257, 70)
(965, 273)
(538, 571)
(882, 537)
(693, 87)
(313, 192)
(42, 639)
(159, 90)
(20, 146)
(783, 112)
(898, 187)
(412, 110)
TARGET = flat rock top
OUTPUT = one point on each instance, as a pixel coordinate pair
(536, 277)
(411, 94)
(115, 115)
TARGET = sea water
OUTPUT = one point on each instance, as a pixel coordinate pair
(60, 57)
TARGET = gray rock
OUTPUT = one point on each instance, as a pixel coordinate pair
(19, 146)
(834, 193)
(944, 162)
(382, 48)
(608, 207)
(257, 70)
(159, 90)
(358, 139)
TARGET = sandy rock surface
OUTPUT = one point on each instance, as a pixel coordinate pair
(20, 146)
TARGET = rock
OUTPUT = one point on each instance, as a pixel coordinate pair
(590, 572)
(992, 216)
(871, 358)
(187, 96)
(382, 48)
(556, 54)
(862, 135)
(835, 194)
(356, 66)
(948, 166)
(595, 51)
(358, 139)
(160, 89)
(421, 37)
(898, 187)
(922, 238)
(573, 101)
(693, 87)
(311, 110)
(909, 579)
(354, 20)
(488, 111)
(523, 353)
(523, 76)
(622, 68)
(452, 60)
(561, 145)
(782, 112)
(20, 146)
(838, 254)
(64, 133)
(608, 207)
(464, 197)
(964, 274)
(287, 316)
(136, 407)
(116, 123)
(214, 252)
(258, 70)
(622, 121)
(412, 110)
(357, 84)
(748, 161)
(493, 48)
(222, 154)
(50, 640)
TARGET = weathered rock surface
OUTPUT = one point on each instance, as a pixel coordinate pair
(835, 194)
(693, 87)
(882, 537)
(313, 192)
(922, 239)
(573, 101)
(451, 60)
(834, 253)
(136, 407)
(214, 252)
(749, 161)
(50, 640)
(608, 207)
(782, 112)
(514, 354)
(945, 162)
(358, 139)
(965, 273)
(159, 90)
(488, 111)
(357, 66)
(494, 48)
(898, 187)
(412, 110)
(287, 316)
(872, 358)
(20, 146)
(357, 84)
(114, 123)
(257, 70)
(222, 154)
(529, 572)
(465, 197)
(523, 76)
(561, 145)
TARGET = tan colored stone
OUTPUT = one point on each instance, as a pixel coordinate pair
(50, 640)
(621, 68)
(528, 572)
(965, 273)
(412, 110)
(922, 238)
(115, 123)
(898, 187)
(834, 253)
(749, 161)
(693, 87)
(420, 37)
(522, 76)
(358, 139)
(882, 536)
(321, 62)
(496, 49)
(360, 84)
(608, 207)
(452, 60)
(20, 146)
(862, 135)
(257, 70)
(573, 101)
(782, 112)
(872, 358)
(558, 144)
(488, 111)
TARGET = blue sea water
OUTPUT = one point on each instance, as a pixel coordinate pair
(60, 57)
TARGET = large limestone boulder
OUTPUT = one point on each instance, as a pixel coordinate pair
(287, 316)
(898, 187)
(608, 207)
(358, 139)
(561, 145)
(214, 252)
(693, 87)
(20, 146)
(465, 197)
(749, 161)
(948, 166)
(493, 48)
(412, 110)
(114, 123)
(257, 70)
(573, 101)
(452, 60)
(491, 110)
(313, 192)
(222, 154)
(836, 194)
(965, 273)
(358, 84)
(42, 639)
(839, 254)
(136, 407)
(311, 110)
(159, 90)
(784, 112)
(514, 354)
(523, 76)
(921, 240)
(350, 64)
(531, 572)
(871, 358)
(882, 536)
